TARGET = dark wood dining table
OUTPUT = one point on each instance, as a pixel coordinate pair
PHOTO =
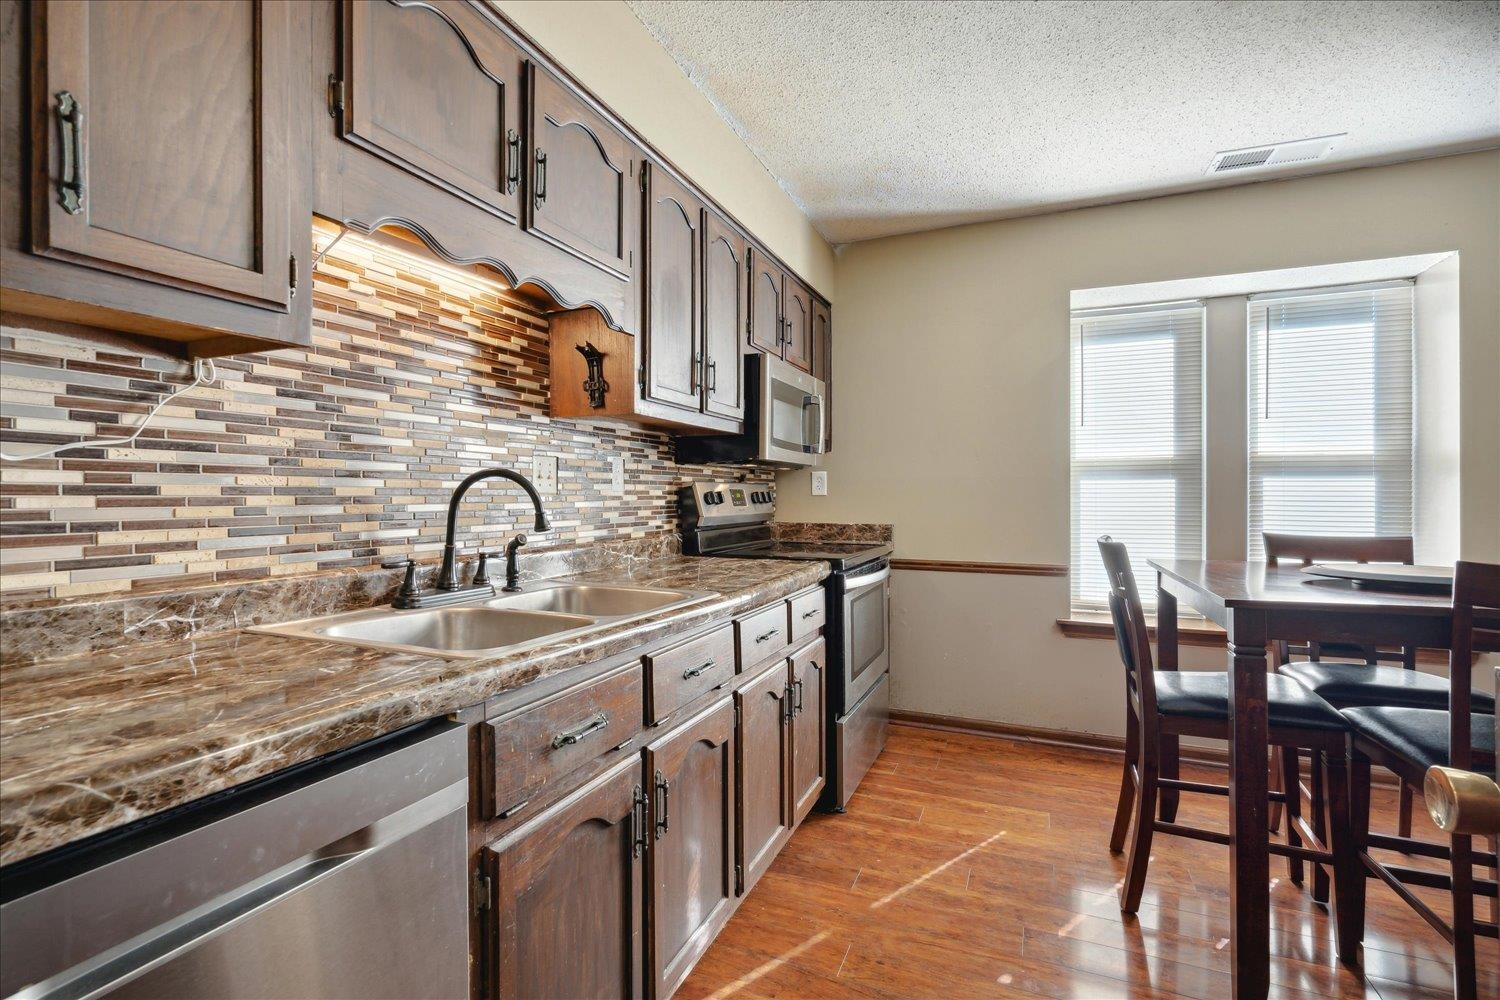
(1256, 603)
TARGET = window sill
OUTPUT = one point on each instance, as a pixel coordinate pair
(1084, 626)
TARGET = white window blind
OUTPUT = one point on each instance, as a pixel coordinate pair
(1137, 441)
(1330, 421)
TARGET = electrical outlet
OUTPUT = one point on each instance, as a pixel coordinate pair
(616, 477)
(820, 484)
(544, 474)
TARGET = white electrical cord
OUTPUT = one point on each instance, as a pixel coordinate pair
(204, 373)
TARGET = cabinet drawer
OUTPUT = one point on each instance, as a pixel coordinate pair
(809, 611)
(525, 750)
(762, 635)
(677, 675)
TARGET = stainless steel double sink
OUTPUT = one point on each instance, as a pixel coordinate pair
(539, 613)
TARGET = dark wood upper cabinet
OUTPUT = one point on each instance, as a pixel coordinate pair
(583, 176)
(809, 766)
(433, 87)
(765, 303)
(566, 904)
(822, 369)
(797, 324)
(725, 316)
(764, 739)
(692, 855)
(671, 324)
(168, 171)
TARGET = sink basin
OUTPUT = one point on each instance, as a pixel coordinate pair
(449, 630)
(539, 613)
(594, 600)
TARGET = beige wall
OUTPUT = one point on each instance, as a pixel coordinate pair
(951, 361)
(603, 45)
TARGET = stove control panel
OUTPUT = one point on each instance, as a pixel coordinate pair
(708, 504)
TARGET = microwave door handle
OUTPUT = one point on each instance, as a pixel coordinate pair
(812, 399)
(821, 448)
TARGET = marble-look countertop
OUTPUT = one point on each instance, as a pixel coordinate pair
(94, 741)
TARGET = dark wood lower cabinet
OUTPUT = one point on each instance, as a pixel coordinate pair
(567, 895)
(765, 805)
(691, 859)
(809, 762)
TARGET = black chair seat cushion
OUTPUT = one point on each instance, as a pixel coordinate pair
(1350, 685)
(1420, 735)
(1204, 694)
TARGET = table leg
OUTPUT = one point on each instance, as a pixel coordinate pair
(1249, 854)
(1166, 659)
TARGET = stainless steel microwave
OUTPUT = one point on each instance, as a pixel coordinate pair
(786, 421)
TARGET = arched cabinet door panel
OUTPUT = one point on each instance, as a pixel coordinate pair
(796, 341)
(164, 143)
(764, 746)
(808, 746)
(671, 325)
(725, 281)
(565, 915)
(765, 304)
(434, 88)
(584, 187)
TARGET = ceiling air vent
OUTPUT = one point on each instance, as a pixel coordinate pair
(1278, 154)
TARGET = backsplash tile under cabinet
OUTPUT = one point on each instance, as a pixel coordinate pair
(299, 461)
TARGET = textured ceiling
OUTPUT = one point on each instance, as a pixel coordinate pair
(890, 117)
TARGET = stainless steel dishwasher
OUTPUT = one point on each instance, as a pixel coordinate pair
(343, 878)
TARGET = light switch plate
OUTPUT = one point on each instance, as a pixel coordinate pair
(820, 484)
(544, 474)
(616, 477)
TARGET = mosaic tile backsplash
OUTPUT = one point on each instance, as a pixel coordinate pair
(300, 461)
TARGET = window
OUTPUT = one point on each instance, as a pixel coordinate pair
(1137, 440)
(1330, 413)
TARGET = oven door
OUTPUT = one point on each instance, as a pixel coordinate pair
(866, 630)
(792, 415)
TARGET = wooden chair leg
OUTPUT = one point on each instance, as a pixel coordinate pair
(1169, 797)
(1127, 784)
(1348, 871)
(1274, 783)
(1465, 972)
(1319, 807)
(1142, 826)
(1293, 784)
(1359, 842)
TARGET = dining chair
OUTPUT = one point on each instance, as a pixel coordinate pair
(1345, 684)
(1164, 704)
(1409, 741)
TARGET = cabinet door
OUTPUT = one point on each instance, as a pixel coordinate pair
(764, 802)
(671, 327)
(583, 177)
(822, 343)
(724, 317)
(808, 736)
(692, 841)
(796, 340)
(162, 143)
(567, 903)
(435, 88)
(765, 304)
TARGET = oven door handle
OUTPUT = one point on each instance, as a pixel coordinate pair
(865, 580)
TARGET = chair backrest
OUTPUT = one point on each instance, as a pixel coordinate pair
(1337, 548)
(1476, 626)
(1129, 617)
(1309, 549)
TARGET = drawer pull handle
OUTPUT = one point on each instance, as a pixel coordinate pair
(598, 722)
(70, 179)
(766, 635)
(664, 792)
(815, 612)
(688, 675)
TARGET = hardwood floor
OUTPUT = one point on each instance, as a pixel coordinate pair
(970, 866)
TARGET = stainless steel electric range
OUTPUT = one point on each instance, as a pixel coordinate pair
(734, 520)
